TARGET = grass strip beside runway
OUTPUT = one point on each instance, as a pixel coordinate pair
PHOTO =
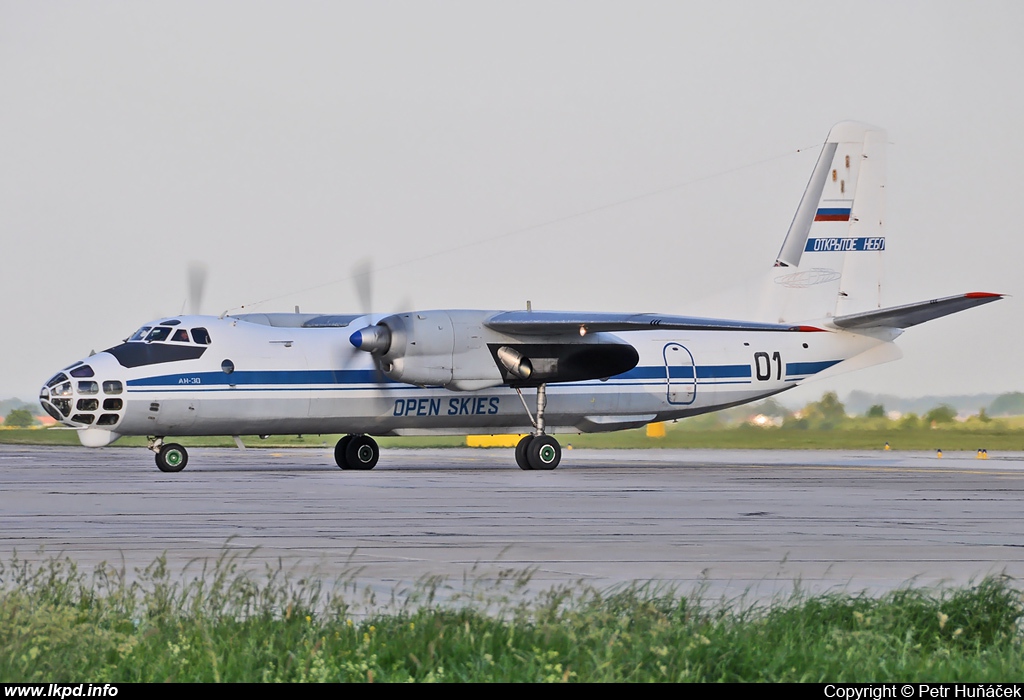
(222, 624)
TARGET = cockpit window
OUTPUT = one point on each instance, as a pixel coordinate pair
(83, 371)
(141, 333)
(180, 336)
(172, 322)
(201, 336)
(158, 333)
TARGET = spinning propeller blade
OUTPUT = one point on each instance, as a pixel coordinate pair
(362, 278)
(196, 285)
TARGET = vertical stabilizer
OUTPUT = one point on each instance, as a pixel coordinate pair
(831, 260)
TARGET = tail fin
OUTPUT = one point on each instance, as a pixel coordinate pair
(831, 261)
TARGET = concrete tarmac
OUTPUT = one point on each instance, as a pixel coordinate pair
(733, 522)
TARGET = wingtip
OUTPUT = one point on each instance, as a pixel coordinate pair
(983, 295)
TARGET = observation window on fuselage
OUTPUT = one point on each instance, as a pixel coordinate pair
(159, 333)
(201, 336)
(180, 336)
(53, 411)
(112, 387)
(141, 333)
(57, 379)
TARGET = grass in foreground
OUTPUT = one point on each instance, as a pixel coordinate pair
(57, 624)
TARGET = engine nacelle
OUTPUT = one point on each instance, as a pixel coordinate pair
(433, 348)
(454, 349)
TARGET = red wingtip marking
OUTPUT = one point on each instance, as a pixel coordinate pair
(808, 329)
(981, 295)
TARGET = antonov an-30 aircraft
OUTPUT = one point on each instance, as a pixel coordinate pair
(463, 372)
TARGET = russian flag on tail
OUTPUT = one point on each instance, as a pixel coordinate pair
(832, 214)
(833, 211)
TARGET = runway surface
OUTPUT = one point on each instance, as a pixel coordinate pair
(734, 522)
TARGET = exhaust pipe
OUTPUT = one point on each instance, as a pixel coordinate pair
(515, 362)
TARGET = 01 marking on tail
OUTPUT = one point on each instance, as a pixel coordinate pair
(460, 372)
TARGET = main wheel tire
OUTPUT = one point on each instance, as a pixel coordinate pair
(522, 448)
(172, 457)
(362, 452)
(544, 453)
(339, 452)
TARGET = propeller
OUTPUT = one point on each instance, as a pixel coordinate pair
(196, 285)
(362, 278)
(374, 340)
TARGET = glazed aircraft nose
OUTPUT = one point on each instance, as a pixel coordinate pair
(87, 393)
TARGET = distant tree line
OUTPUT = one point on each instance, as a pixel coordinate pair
(830, 413)
(1011, 404)
(19, 418)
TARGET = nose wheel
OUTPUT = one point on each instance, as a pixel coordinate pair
(171, 457)
(356, 452)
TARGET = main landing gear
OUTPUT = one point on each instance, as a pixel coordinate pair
(356, 452)
(170, 457)
(538, 451)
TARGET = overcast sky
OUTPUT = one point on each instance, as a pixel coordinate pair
(633, 156)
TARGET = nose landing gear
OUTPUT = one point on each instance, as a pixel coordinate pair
(170, 457)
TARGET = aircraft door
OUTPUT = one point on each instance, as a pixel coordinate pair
(680, 375)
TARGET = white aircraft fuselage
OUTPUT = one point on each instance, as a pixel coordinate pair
(535, 372)
(253, 379)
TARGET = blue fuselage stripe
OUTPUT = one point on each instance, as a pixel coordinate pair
(802, 368)
(265, 377)
(325, 379)
(686, 372)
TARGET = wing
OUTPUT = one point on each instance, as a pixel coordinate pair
(912, 314)
(560, 322)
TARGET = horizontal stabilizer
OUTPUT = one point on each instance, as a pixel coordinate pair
(559, 322)
(912, 314)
